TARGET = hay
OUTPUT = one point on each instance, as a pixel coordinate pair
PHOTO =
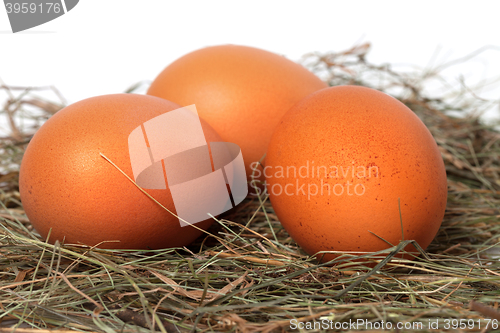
(251, 276)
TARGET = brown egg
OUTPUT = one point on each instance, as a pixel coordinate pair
(347, 165)
(68, 187)
(242, 92)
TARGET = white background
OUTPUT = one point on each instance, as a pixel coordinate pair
(105, 46)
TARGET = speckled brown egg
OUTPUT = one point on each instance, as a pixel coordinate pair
(242, 92)
(69, 189)
(348, 165)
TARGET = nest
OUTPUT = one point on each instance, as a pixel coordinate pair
(246, 274)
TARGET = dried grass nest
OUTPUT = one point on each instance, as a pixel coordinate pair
(247, 274)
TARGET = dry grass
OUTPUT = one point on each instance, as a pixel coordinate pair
(250, 276)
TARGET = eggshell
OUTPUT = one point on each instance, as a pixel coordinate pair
(68, 187)
(327, 135)
(242, 92)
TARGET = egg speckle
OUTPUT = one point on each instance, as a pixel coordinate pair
(68, 189)
(348, 165)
